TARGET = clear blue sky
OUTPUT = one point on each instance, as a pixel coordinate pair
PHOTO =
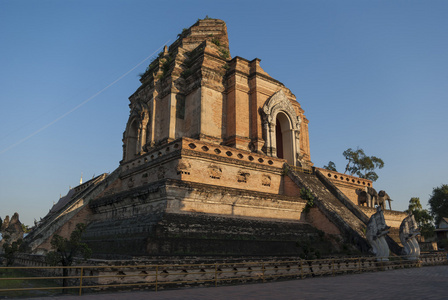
(372, 74)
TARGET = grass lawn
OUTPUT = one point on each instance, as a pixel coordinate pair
(21, 283)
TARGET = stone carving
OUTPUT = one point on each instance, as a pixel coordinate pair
(183, 167)
(134, 136)
(363, 197)
(279, 102)
(131, 182)
(214, 172)
(145, 177)
(375, 234)
(369, 196)
(382, 198)
(266, 180)
(242, 176)
(408, 232)
(161, 172)
(373, 196)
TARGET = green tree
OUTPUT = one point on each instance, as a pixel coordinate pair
(438, 202)
(308, 253)
(331, 166)
(66, 250)
(10, 250)
(361, 165)
(422, 217)
(306, 194)
(26, 228)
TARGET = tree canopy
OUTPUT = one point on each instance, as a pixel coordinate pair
(438, 202)
(25, 228)
(66, 250)
(331, 166)
(422, 217)
(361, 165)
(10, 250)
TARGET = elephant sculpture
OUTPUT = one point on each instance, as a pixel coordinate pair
(371, 198)
(382, 198)
(363, 197)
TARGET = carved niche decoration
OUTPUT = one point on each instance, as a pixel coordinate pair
(183, 167)
(266, 180)
(214, 172)
(376, 235)
(408, 232)
(135, 135)
(279, 103)
(130, 182)
(145, 177)
(242, 176)
(161, 172)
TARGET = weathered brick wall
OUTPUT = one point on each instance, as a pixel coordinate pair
(195, 89)
(318, 220)
(203, 162)
(290, 188)
(209, 234)
(196, 234)
(127, 221)
(82, 216)
(189, 197)
(63, 220)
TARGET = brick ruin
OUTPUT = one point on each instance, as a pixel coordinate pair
(215, 153)
(10, 230)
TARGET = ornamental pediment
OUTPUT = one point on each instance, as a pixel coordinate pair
(280, 102)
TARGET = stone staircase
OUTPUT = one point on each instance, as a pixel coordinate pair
(350, 220)
(350, 226)
(392, 239)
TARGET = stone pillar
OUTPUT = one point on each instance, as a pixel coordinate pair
(273, 139)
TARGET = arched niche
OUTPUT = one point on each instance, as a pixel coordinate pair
(131, 140)
(135, 134)
(281, 128)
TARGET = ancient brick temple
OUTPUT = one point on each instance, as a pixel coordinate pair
(215, 153)
(195, 90)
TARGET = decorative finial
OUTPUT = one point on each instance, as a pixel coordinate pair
(80, 181)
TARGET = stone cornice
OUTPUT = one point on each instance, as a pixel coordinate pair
(200, 149)
(164, 185)
(232, 161)
(151, 164)
(340, 178)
